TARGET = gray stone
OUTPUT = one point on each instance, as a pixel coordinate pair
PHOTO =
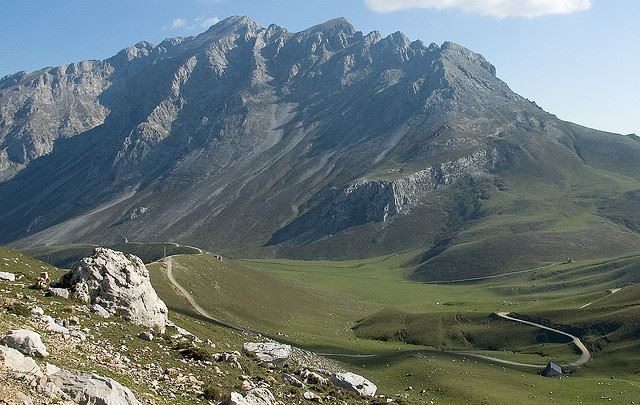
(13, 360)
(257, 396)
(58, 292)
(53, 326)
(355, 383)
(271, 352)
(292, 380)
(7, 276)
(26, 341)
(120, 284)
(91, 388)
(100, 311)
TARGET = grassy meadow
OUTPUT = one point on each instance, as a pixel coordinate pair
(414, 333)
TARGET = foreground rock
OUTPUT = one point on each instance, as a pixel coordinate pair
(354, 383)
(13, 360)
(271, 352)
(257, 396)
(7, 276)
(25, 341)
(120, 284)
(90, 388)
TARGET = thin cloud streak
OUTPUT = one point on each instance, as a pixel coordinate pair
(493, 8)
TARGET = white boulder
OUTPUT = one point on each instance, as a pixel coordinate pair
(257, 396)
(100, 311)
(13, 360)
(25, 341)
(7, 276)
(91, 388)
(53, 326)
(58, 292)
(120, 284)
(354, 383)
(271, 352)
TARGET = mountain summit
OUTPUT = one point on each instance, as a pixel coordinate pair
(327, 143)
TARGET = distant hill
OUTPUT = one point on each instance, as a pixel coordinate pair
(327, 143)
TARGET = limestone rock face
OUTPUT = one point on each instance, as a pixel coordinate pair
(25, 341)
(364, 200)
(257, 396)
(272, 352)
(120, 284)
(91, 388)
(355, 383)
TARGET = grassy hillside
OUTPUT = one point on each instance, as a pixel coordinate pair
(158, 371)
(412, 331)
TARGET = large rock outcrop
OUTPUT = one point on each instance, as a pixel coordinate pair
(271, 352)
(120, 284)
(91, 388)
(25, 341)
(13, 360)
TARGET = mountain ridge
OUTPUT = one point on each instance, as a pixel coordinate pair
(253, 139)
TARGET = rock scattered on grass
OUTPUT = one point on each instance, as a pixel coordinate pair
(354, 383)
(25, 341)
(271, 352)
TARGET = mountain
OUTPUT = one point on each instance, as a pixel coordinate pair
(327, 143)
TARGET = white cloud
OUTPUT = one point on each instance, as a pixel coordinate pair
(199, 23)
(178, 23)
(206, 22)
(495, 8)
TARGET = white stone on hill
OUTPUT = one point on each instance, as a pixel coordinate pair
(91, 388)
(100, 311)
(58, 292)
(272, 352)
(26, 341)
(13, 360)
(7, 276)
(355, 383)
(257, 396)
(53, 326)
(120, 284)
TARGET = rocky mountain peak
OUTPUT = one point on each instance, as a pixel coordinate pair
(236, 24)
(459, 53)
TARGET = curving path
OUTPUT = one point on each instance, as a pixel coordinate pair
(480, 278)
(194, 304)
(584, 358)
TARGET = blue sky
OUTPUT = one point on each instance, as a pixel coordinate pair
(578, 59)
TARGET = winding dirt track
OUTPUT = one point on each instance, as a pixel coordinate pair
(584, 358)
(194, 304)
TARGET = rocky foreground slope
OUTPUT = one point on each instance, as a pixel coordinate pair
(326, 143)
(71, 350)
